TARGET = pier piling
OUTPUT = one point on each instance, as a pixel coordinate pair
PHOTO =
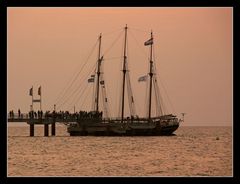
(45, 129)
(31, 130)
(53, 129)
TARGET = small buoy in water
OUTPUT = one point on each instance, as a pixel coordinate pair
(217, 138)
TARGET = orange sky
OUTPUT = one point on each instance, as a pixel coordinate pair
(193, 55)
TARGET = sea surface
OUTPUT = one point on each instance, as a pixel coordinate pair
(194, 151)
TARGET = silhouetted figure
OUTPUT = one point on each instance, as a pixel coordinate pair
(19, 113)
(46, 114)
(32, 114)
(41, 113)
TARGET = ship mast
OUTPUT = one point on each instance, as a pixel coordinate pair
(124, 72)
(98, 72)
(151, 75)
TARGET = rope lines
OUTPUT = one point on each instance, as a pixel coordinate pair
(165, 91)
(81, 92)
(139, 45)
(113, 43)
(111, 32)
(68, 87)
(74, 92)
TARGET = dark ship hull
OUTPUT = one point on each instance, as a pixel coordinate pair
(164, 125)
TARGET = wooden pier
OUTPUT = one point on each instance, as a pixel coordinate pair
(45, 121)
(38, 121)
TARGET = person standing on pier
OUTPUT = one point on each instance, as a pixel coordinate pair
(19, 113)
(10, 114)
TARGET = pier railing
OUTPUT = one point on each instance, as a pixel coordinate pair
(49, 118)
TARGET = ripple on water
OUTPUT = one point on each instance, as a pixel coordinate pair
(193, 152)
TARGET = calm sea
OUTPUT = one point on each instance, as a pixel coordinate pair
(194, 151)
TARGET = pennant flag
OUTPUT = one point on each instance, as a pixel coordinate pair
(149, 42)
(102, 82)
(90, 80)
(31, 92)
(101, 59)
(36, 100)
(143, 78)
(39, 90)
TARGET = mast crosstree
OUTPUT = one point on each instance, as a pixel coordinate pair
(100, 81)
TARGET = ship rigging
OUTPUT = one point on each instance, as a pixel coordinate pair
(99, 120)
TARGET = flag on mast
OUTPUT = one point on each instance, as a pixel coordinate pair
(91, 79)
(102, 82)
(143, 78)
(39, 90)
(31, 91)
(148, 42)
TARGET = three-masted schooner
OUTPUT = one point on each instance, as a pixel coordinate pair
(164, 124)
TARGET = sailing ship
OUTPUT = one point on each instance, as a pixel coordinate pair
(93, 122)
